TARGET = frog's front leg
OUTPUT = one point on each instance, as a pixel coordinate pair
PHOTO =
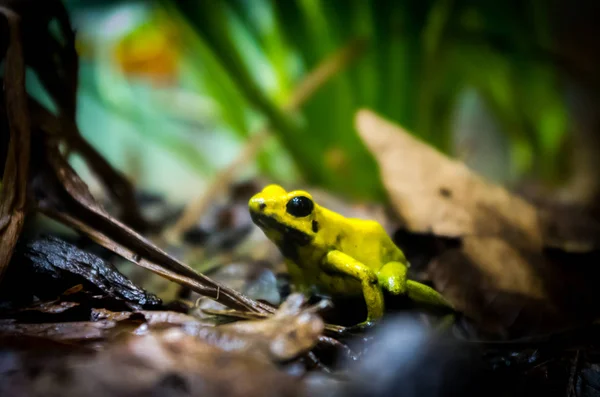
(392, 277)
(339, 262)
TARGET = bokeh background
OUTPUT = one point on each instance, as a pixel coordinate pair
(171, 92)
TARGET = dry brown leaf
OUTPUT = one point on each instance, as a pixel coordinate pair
(289, 333)
(432, 193)
(285, 335)
(166, 363)
(74, 331)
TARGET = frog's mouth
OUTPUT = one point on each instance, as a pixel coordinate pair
(290, 234)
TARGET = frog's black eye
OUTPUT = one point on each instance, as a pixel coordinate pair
(300, 206)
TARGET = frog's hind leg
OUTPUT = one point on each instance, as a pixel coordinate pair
(392, 277)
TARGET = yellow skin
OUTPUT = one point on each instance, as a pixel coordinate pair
(340, 256)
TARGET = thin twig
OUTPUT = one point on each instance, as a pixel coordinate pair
(117, 185)
(58, 183)
(234, 299)
(13, 197)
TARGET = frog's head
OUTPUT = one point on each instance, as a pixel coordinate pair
(285, 216)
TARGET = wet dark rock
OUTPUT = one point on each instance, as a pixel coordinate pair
(48, 266)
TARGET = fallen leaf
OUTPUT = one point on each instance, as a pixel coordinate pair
(432, 193)
(289, 333)
(166, 363)
(73, 331)
(286, 334)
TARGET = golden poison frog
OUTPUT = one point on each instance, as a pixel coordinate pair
(340, 256)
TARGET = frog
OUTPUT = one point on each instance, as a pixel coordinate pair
(340, 256)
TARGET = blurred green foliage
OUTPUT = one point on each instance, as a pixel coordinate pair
(421, 56)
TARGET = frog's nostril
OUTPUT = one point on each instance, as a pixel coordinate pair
(257, 204)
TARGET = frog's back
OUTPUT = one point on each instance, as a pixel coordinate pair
(368, 242)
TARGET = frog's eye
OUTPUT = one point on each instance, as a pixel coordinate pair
(300, 206)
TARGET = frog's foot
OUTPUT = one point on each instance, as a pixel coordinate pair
(424, 294)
